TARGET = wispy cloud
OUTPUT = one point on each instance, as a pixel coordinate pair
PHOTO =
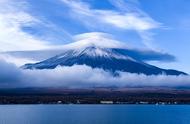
(16, 18)
(12, 18)
(127, 17)
(123, 20)
(133, 6)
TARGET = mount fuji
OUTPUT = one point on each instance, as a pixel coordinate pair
(105, 53)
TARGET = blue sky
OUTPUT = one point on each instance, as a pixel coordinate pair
(150, 24)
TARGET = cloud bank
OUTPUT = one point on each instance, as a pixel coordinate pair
(82, 76)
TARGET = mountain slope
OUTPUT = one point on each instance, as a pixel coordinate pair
(109, 59)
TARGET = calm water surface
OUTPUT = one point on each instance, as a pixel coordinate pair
(94, 114)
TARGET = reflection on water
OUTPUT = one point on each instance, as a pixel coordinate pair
(94, 114)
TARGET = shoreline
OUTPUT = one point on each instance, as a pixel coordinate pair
(157, 96)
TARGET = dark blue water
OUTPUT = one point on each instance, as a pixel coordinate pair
(94, 114)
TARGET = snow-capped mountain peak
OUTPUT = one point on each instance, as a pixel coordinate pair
(99, 51)
(94, 51)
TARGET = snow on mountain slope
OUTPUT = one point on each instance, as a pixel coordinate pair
(108, 57)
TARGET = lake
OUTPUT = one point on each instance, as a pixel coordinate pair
(94, 114)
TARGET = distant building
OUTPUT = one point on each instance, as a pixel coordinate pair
(59, 102)
(106, 102)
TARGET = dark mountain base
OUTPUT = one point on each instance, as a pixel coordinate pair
(95, 96)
